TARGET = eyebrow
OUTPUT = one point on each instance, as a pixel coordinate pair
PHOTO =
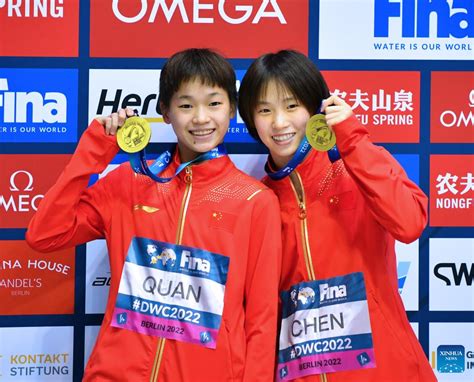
(186, 97)
(286, 99)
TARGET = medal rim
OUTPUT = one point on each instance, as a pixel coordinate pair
(313, 123)
(137, 121)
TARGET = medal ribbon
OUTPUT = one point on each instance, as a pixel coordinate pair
(303, 149)
(139, 165)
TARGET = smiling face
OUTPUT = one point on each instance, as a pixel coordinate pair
(200, 115)
(280, 120)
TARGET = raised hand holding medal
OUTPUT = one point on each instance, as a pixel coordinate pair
(319, 135)
(336, 110)
(133, 134)
(319, 130)
(114, 121)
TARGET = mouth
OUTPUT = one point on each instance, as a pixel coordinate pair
(283, 138)
(202, 132)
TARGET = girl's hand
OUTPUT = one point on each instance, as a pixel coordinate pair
(115, 120)
(336, 110)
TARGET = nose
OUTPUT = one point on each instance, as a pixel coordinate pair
(280, 121)
(200, 116)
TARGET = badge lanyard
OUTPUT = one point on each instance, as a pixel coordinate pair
(139, 165)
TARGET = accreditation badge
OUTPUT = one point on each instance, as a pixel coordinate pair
(172, 291)
(325, 328)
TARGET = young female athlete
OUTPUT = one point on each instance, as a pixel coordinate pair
(340, 222)
(194, 256)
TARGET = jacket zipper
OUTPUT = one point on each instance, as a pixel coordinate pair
(297, 183)
(188, 178)
(302, 214)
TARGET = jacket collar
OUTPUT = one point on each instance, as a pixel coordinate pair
(202, 173)
(309, 170)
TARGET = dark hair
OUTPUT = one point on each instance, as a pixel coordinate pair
(290, 70)
(204, 64)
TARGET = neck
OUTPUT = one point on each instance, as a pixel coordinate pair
(278, 163)
(186, 155)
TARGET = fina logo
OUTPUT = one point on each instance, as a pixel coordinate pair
(194, 263)
(329, 293)
(22, 202)
(33, 8)
(51, 108)
(416, 16)
(168, 12)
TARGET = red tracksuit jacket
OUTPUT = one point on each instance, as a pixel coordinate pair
(212, 206)
(347, 219)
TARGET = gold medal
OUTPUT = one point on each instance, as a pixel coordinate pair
(320, 136)
(134, 135)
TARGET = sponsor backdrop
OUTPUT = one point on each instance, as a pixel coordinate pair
(405, 66)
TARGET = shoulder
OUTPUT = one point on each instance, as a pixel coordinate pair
(116, 174)
(247, 187)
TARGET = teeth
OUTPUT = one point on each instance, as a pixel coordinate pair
(283, 137)
(202, 132)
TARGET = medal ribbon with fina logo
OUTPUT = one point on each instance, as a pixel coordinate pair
(319, 136)
(134, 136)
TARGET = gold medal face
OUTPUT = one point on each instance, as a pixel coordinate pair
(134, 135)
(319, 134)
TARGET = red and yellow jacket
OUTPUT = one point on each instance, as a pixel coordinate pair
(345, 218)
(212, 206)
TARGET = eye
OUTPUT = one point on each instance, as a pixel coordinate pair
(185, 106)
(215, 103)
(292, 106)
(263, 110)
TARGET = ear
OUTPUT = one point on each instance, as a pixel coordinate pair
(232, 111)
(165, 113)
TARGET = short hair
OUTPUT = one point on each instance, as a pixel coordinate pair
(209, 67)
(290, 70)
